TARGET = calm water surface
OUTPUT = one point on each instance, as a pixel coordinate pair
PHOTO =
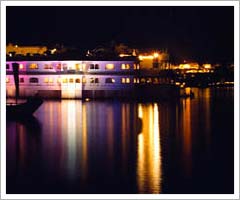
(107, 147)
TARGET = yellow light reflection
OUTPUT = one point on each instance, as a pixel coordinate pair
(84, 142)
(110, 132)
(71, 139)
(187, 136)
(149, 152)
(125, 134)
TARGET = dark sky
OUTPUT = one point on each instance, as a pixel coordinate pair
(198, 33)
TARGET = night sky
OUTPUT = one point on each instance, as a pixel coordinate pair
(191, 33)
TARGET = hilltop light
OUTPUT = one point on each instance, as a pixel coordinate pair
(155, 55)
(124, 55)
(145, 57)
(207, 66)
(53, 51)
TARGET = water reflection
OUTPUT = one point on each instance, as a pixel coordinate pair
(123, 147)
(149, 151)
(186, 136)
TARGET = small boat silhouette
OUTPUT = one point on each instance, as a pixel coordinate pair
(16, 110)
(23, 109)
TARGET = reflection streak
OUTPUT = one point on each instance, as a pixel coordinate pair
(148, 151)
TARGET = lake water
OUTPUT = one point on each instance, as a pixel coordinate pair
(113, 147)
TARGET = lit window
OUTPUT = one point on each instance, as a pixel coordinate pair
(58, 66)
(109, 80)
(78, 67)
(149, 80)
(21, 80)
(136, 66)
(109, 66)
(48, 66)
(142, 80)
(94, 80)
(50, 80)
(33, 80)
(84, 66)
(125, 66)
(21, 66)
(46, 80)
(78, 80)
(84, 80)
(71, 80)
(7, 80)
(7, 66)
(125, 80)
(33, 66)
(59, 80)
(64, 80)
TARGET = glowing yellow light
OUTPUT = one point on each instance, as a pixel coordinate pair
(87, 99)
(155, 55)
(186, 66)
(177, 83)
(207, 66)
(7, 80)
(188, 90)
(145, 57)
(113, 80)
(46, 80)
(149, 166)
(124, 55)
(64, 80)
(21, 66)
(53, 51)
(109, 66)
(33, 66)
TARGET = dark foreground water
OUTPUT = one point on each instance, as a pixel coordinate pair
(108, 147)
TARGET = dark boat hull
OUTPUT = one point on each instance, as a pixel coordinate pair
(23, 109)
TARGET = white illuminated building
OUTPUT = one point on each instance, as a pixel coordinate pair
(73, 79)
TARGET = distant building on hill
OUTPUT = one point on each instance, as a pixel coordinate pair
(12, 50)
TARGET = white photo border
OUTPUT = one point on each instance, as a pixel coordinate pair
(235, 4)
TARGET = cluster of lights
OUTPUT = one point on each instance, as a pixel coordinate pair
(151, 57)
